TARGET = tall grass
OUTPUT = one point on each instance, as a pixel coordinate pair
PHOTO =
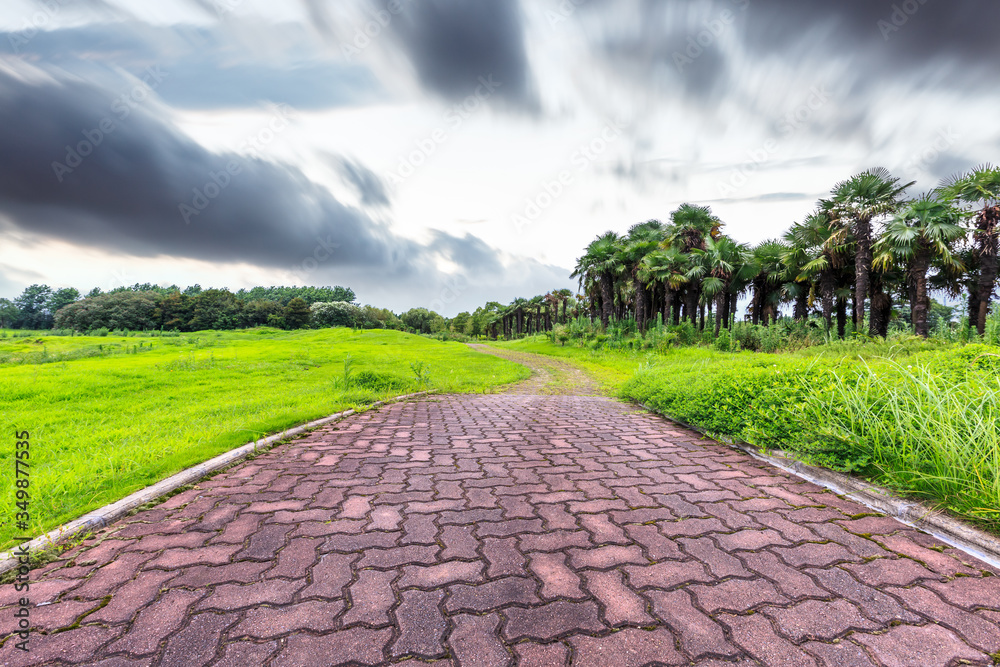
(925, 432)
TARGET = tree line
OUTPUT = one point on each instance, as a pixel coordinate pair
(144, 307)
(864, 250)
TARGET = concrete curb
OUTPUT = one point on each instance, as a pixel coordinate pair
(947, 529)
(104, 516)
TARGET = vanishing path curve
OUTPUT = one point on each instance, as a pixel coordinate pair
(508, 529)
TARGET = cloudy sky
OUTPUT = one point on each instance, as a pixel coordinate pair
(443, 153)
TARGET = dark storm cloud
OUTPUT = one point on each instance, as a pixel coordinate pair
(202, 70)
(452, 43)
(128, 195)
(368, 185)
(887, 36)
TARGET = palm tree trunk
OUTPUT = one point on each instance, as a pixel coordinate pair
(921, 303)
(973, 286)
(720, 300)
(726, 313)
(881, 308)
(826, 295)
(701, 326)
(802, 306)
(841, 317)
(640, 304)
(676, 304)
(862, 267)
(691, 307)
(607, 301)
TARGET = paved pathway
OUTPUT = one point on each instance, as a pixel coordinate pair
(508, 529)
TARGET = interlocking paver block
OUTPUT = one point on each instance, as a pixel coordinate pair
(719, 562)
(876, 605)
(440, 575)
(552, 620)
(459, 542)
(667, 574)
(657, 546)
(890, 571)
(823, 621)
(492, 595)
(267, 622)
(394, 557)
(421, 624)
(755, 634)
(156, 622)
(908, 645)
(371, 598)
(628, 648)
(790, 581)
(699, 634)
(503, 557)
(476, 642)
(621, 604)
(557, 579)
(605, 557)
(530, 654)
(199, 641)
(485, 530)
(357, 645)
(737, 595)
(238, 596)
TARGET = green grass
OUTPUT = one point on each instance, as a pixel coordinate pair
(108, 417)
(920, 418)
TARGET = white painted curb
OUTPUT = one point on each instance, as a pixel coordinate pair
(104, 516)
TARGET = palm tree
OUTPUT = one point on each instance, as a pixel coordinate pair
(667, 266)
(721, 259)
(689, 227)
(768, 273)
(642, 239)
(919, 235)
(810, 242)
(980, 188)
(600, 264)
(855, 204)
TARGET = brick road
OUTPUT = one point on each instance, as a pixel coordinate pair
(508, 529)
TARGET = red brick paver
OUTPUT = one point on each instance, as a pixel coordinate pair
(505, 530)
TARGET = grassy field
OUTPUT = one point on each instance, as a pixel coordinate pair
(922, 418)
(110, 415)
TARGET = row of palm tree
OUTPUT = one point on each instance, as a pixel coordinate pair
(866, 243)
